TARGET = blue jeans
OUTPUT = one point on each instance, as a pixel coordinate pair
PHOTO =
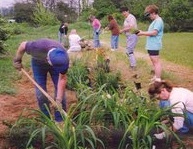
(60, 37)
(40, 71)
(164, 103)
(131, 43)
(96, 39)
(114, 41)
(188, 119)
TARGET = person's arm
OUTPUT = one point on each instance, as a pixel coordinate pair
(17, 62)
(147, 33)
(126, 29)
(162, 135)
(111, 25)
(158, 25)
(20, 51)
(178, 121)
(61, 87)
(131, 25)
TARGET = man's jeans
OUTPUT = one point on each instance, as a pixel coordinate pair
(40, 71)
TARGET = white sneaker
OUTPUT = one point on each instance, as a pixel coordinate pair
(155, 79)
(112, 49)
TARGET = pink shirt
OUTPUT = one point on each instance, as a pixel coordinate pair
(96, 24)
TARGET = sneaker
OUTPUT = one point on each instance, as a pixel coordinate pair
(157, 79)
(133, 68)
(112, 49)
(154, 79)
(136, 76)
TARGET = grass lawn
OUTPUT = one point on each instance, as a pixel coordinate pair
(177, 48)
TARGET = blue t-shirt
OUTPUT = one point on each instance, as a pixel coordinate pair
(38, 49)
(155, 42)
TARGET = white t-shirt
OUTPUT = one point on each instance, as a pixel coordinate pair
(185, 98)
(74, 43)
(130, 21)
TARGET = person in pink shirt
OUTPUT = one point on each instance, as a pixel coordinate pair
(96, 25)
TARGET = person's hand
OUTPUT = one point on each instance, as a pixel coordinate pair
(160, 136)
(106, 28)
(139, 33)
(17, 63)
(121, 31)
(136, 32)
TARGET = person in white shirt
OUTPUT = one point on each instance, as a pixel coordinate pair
(74, 42)
(130, 23)
(181, 98)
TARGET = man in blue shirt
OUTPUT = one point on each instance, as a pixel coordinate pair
(48, 56)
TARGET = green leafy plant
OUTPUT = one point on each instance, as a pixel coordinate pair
(146, 123)
(78, 74)
(66, 134)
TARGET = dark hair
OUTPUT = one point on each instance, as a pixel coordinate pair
(152, 9)
(155, 88)
(92, 17)
(122, 9)
(110, 17)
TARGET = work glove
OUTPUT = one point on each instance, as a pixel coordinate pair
(160, 136)
(17, 63)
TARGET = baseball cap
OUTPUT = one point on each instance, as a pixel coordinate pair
(59, 59)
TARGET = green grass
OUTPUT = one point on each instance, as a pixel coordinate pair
(177, 48)
(7, 76)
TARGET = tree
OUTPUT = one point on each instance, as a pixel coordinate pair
(65, 13)
(178, 14)
(23, 12)
(3, 35)
(43, 16)
(104, 7)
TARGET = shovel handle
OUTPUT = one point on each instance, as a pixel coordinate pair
(39, 87)
(45, 93)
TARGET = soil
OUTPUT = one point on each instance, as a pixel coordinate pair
(11, 106)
